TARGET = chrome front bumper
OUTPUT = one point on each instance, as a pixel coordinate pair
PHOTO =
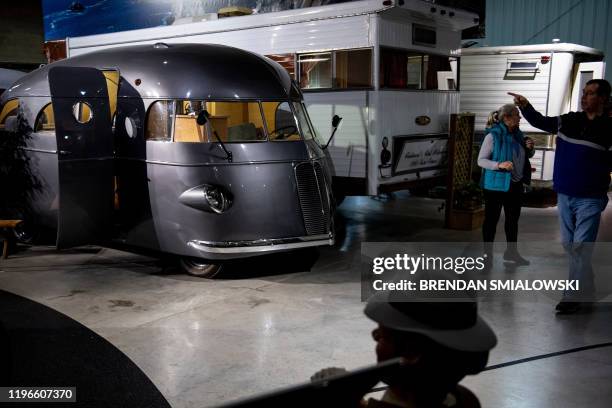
(261, 245)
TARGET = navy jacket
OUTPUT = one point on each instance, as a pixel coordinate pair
(583, 159)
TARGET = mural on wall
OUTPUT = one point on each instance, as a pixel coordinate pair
(70, 18)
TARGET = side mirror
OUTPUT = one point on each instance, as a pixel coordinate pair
(202, 117)
(336, 121)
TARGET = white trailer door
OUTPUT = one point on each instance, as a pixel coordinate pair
(584, 73)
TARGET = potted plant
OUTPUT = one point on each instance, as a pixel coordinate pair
(468, 196)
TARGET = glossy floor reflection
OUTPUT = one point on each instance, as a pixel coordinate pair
(275, 320)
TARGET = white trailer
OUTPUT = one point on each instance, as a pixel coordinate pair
(386, 67)
(551, 76)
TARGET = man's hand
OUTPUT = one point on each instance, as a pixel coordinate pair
(519, 100)
(529, 143)
(507, 165)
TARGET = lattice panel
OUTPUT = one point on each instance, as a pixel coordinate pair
(460, 141)
(462, 131)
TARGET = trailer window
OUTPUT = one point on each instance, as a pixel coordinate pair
(521, 69)
(422, 35)
(287, 61)
(353, 69)
(45, 121)
(315, 70)
(408, 70)
(336, 70)
(8, 111)
(236, 122)
(159, 121)
(414, 72)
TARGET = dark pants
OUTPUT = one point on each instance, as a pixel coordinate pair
(511, 202)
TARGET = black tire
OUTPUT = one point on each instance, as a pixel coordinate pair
(339, 198)
(200, 267)
(26, 233)
(339, 224)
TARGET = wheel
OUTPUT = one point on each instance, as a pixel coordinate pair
(26, 233)
(200, 267)
(339, 198)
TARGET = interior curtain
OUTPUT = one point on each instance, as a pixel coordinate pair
(434, 65)
(342, 69)
(305, 68)
(394, 69)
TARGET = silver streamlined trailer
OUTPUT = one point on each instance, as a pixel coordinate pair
(171, 148)
(386, 67)
(7, 77)
(551, 76)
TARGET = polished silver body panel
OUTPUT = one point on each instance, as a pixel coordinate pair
(176, 71)
(280, 191)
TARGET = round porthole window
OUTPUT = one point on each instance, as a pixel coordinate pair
(82, 112)
(130, 127)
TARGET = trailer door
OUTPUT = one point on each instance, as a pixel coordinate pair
(585, 71)
(85, 155)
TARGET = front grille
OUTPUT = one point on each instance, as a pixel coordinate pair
(314, 199)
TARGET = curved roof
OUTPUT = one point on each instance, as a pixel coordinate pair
(9, 76)
(539, 48)
(185, 71)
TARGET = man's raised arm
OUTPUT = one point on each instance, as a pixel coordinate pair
(536, 119)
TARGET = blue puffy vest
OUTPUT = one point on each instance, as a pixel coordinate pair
(498, 180)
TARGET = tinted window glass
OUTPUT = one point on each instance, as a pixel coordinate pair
(45, 120)
(409, 70)
(287, 61)
(316, 70)
(303, 120)
(353, 69)
(236, 121)
(159, 121)
(281, 122)
(186, 128)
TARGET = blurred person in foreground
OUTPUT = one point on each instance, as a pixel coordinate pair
(440, 343)
(581, 179)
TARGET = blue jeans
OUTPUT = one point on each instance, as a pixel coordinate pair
(579, 221)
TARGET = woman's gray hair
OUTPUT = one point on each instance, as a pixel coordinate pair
(498, 116)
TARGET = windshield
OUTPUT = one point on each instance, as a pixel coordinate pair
(231, 122)
(281, 122)
(305, 124)
(236, 121)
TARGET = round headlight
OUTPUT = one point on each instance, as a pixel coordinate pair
(216, 199)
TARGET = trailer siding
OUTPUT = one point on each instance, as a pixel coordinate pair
(348, 148)
(483, 88)
(331, 34)
(398, 34)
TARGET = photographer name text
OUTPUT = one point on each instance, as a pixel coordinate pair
(477, 285)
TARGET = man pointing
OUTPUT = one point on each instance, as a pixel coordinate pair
(581, 179)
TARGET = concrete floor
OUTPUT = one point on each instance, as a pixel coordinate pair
(274, 321)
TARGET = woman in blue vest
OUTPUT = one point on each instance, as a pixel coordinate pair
(504, 157)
